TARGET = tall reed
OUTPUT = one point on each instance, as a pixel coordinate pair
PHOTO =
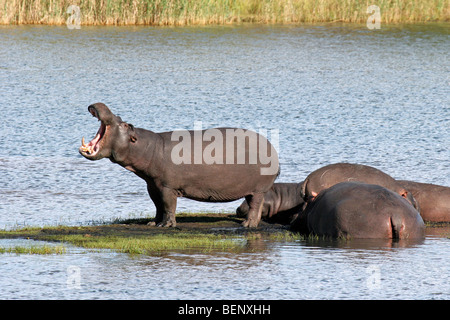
(194, 12)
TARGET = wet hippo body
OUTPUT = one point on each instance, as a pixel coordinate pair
(359, 210)
(433, 200)
(281, 202)
(332, 174)
(177, 164)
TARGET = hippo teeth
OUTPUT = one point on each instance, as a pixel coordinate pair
(86, 148)
(93, 146)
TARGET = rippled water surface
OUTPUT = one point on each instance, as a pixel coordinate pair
(332, 92)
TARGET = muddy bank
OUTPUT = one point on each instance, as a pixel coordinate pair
(226, 224)
(213, 223)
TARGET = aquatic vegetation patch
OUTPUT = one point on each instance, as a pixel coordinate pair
(151, 244)
(40, 249)
(195, 232)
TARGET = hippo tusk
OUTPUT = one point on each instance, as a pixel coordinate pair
(85, 147)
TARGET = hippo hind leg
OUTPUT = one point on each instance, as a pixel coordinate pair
(242, 210)
(255, 203)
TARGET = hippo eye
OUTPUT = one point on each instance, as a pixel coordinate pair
(127, 126)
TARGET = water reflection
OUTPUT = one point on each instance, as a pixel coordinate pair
(276, 270)
(364, 244)
(438, 231)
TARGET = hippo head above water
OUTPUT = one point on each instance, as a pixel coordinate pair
(112, 137)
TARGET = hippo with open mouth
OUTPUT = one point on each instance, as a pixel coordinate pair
(204, 165)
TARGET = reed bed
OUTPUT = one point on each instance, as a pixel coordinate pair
(203, 12)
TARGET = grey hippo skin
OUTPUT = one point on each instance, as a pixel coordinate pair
(281, 203)
(149, 155)
(434, 200)
(332, 174)
(360, 210)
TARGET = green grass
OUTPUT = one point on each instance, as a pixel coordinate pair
(201, 12)
(121, 241)
(201, 232)
(41, 249)
(153, 244)
(28, 233)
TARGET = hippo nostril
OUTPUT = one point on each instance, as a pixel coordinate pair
(93, 111)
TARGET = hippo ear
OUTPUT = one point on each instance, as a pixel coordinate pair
(404, 193)
(130, 129)
(133, 137)
(303, 192)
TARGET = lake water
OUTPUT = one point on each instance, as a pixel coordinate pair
(329, 93)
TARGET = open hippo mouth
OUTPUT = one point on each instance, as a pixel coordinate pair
(94, 146)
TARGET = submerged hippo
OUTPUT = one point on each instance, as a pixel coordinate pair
(332, 174)
(360, 210)
(434, 200)
(281, 203)
(180, 163)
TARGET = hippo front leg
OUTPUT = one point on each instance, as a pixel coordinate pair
(165, 201)
(255, 203)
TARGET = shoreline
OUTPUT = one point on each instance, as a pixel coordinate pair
(234, 24)
(195, 232)
(220, 12)
(199, 232)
